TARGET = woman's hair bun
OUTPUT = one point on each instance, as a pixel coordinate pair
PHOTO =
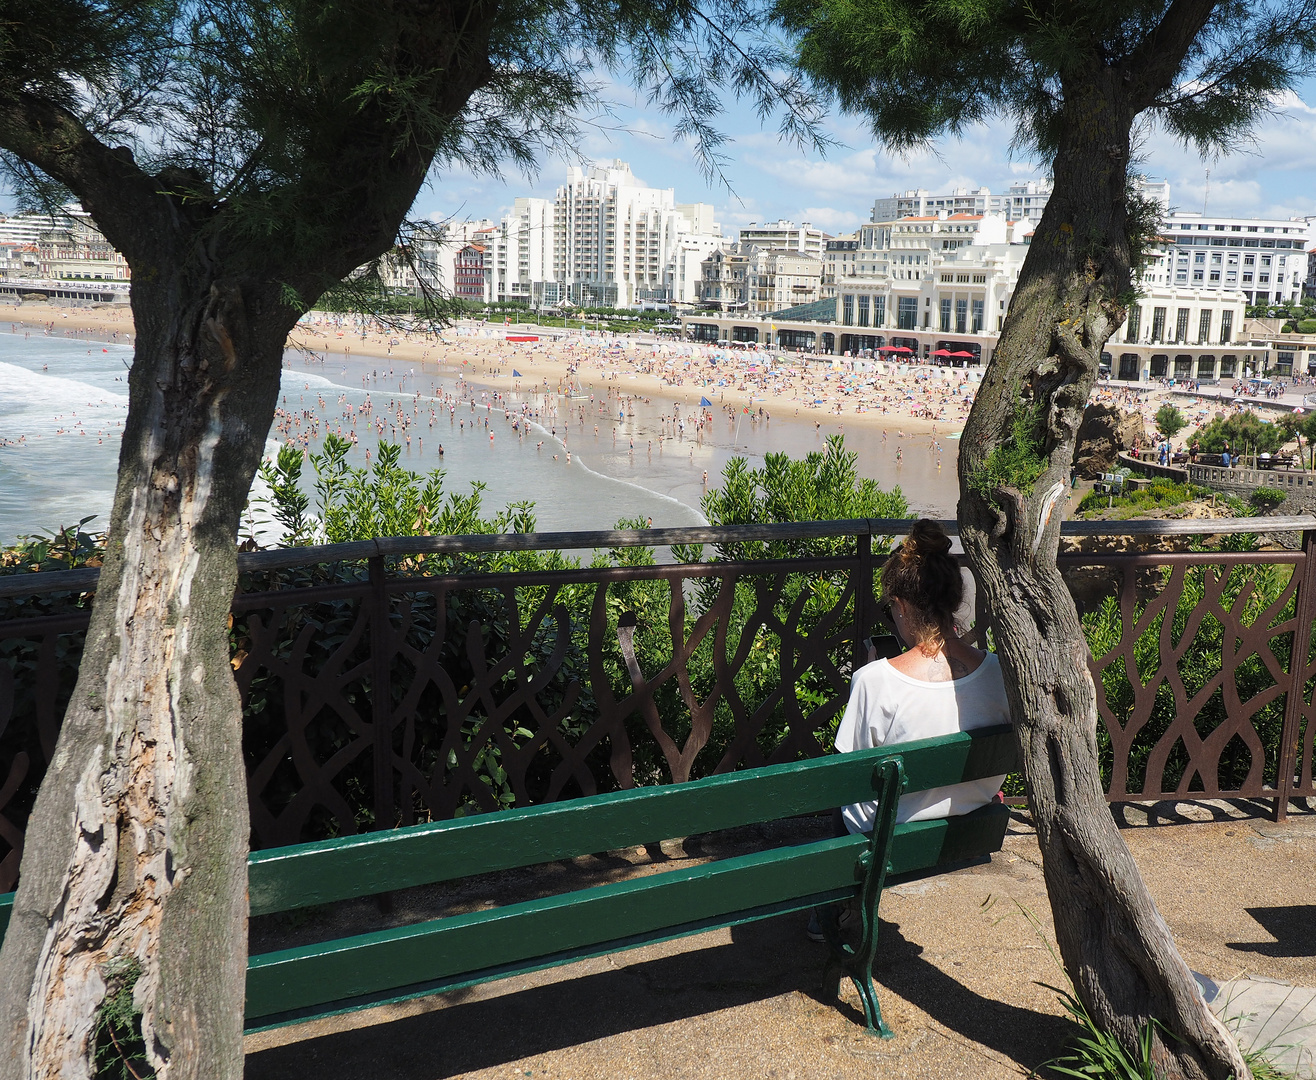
(926, 539)
(926, 576)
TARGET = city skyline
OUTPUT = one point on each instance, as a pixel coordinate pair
(772, 179)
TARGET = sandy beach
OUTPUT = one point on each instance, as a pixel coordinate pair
(745, 386)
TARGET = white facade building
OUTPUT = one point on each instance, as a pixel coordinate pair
(616, 240)
(1263, 258)
(432, 257)
(63, 246)
(785, 234)
(519, 255)
(1023, 200)
(840, 262)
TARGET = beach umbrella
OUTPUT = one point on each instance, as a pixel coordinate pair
(901, 349)
(962, 354)
(943, 352)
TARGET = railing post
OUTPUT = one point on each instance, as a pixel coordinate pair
(1305, 614)
(863, 594)
(381, 695)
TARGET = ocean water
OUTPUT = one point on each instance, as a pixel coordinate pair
(63, 402)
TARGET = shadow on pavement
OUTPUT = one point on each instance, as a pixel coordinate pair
(763, 961)
(1293, 927)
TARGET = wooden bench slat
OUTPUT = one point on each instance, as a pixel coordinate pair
(463, 949)
(305, 875)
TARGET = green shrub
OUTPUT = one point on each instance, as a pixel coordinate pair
(1170, 421)
(1265, 499)
(1243, 432)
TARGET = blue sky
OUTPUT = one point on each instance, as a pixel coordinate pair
(771, 179)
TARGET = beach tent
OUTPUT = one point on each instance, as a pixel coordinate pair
(516, 374)
(704, 401)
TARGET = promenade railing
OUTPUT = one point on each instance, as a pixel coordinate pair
(407, 679)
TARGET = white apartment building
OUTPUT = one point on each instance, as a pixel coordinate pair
(955, 272)
(758, 280)
(432, 256)
(1023, 200)
(615, 240)
(1265, 259)
(840, 258)
(951, 276)
(519, 255)
(780, 278)
(685, 270)
(62, 246)
(785, 234)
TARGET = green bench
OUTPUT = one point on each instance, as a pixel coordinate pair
(460, 950)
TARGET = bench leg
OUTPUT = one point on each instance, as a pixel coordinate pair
(888, 783)
(857, 964)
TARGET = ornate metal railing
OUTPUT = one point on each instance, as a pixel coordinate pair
(507, 685)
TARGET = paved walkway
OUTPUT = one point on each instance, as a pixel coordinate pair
(959, 978)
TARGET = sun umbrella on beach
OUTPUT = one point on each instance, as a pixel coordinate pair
(943, 352)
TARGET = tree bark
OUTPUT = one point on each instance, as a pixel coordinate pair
(1114, 943)
(135, 855)
(136, 849)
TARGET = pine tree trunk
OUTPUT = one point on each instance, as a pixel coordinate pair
(136, 848)
(1116, 947)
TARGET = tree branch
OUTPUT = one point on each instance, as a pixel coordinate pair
(118, 193)
(1154, 65)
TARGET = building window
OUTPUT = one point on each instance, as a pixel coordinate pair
(1158, 364)
(1135, 324)
(907, 312)
(961, 316)
(847, 310)
(1158, 324)
(1183, 366)
(1228, 365)
(879, 311)
(1204, 327)
(978, 306)
(1181, 327)
(1206, 366)
(863, 311)
(945, 314)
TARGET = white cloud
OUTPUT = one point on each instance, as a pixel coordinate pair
(771, 179)
(832, 220)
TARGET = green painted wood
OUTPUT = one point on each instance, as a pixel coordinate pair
(435, 986)
(445, 952)
(6, 909)
(308, 874)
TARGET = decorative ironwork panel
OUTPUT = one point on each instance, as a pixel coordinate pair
(1191, 656)
(374, 699)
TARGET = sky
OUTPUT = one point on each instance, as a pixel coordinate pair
(766, 179)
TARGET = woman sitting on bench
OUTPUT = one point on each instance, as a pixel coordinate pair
(938, 686)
